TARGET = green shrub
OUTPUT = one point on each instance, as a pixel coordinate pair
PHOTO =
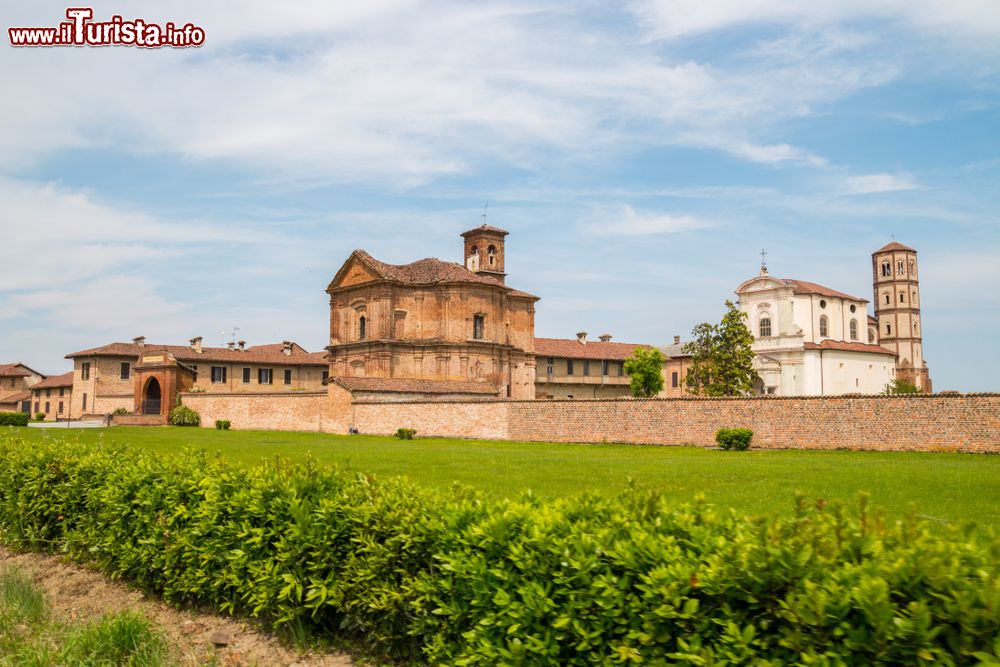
(13, 418)
(182, 415)
(734, 438)
(121, 411)
(222, 424)
(453, 578)
(39, 416)
(406, 433)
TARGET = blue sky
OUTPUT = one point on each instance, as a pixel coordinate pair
(641, 155)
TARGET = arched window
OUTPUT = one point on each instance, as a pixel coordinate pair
(478, 326)
(854, 329)
(362, 328)
(901, 267)
(824, 326)
(765, 327)
(886, 269)
(491, 254)
(888, 329)
(902, 297)
(871, 336)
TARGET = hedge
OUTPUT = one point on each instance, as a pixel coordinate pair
(738, 439)
(451, 578)
(13, 418)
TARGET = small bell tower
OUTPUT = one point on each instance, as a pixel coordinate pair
(897, 308)
(484, 251)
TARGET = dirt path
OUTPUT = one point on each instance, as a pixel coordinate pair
(80, 595)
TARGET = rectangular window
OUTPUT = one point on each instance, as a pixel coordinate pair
(326, 375)
(126, 370)
(605, 367)
(569, 367)
(265, 376)
(288, 376)
(218, 374)
(47, 404)
(586, 367)
(60, 407)
(246, 376)
(62, 391)
(550, 366)
(902, 297)
(675, 379)
(478, 326)
(85, 370)
(48, 392)
(84, 401)
(36, 407)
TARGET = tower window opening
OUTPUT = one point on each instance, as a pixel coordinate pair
(888, 328)
(902, 297)
(824, 326)
(901, 268)
(491, 253)
(886, 269)
(362, 328)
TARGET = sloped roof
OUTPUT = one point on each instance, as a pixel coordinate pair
(571, 348)
(674, 351)
(872, 320)
(848, 347)
(430, 271)
(255, 354)
(414, 386)
(895, 245)
(486, 228)
(14, 370)
(56, 381)
(16, 398)
(806, 287)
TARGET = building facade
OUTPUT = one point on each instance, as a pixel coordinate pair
(578, 368)
(53, 397)
(16, 381)
(896, 288)
(675, 369)
(811, 340)
(145, 378)
(434, 320)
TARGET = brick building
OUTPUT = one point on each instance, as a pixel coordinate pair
(145, 378)
(578, 368)
(16, 381)
(675, 369)
(897, 311)
(434, 321)
(53, 397)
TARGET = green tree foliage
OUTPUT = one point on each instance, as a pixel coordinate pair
(722, 361)
(897, 387)
(645, 368)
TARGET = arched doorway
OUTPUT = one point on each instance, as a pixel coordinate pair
(151, 398)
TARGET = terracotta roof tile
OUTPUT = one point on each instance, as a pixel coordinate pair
(430, 271)
(64, 380)
(16, 398)
(486, 228)
(571, 348)
(260, 354)
(848, 347)
(15, 370)
(895, 245)
(805, 287)
(414, 386)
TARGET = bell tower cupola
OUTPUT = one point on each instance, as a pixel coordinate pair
(484, 251)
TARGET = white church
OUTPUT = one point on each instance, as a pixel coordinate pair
(811, 340)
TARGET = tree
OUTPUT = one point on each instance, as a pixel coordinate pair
(645, 368)
(901, 387)
(721, 358)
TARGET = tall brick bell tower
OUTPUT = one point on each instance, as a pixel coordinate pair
(484, 251)
(897, 309)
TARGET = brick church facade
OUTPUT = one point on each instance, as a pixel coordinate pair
(442, 327)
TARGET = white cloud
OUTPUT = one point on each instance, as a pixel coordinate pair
(626, 221)
(873, 183)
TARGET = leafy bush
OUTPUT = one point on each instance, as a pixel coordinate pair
(406, 433)
(13, 418)
(182, 415)
(39, 416)
(734, 438)
(449, 577)
(222, 424)
(121, 411)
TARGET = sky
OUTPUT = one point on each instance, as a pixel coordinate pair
(641, 154)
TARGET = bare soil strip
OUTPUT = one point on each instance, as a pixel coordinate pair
(80, 595)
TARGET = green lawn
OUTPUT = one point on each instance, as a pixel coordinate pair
(945, 487)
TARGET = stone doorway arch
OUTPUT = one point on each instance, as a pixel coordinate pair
(152, 397)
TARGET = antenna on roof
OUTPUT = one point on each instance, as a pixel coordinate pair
(486, 208)
(233, 334)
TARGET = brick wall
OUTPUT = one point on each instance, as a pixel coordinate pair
(917, 423)
(299, 411)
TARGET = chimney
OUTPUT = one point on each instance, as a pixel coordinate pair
(605, 338)
(196, 344)
(581, 337)
(242, 345)
(140, 341)
(677, 340)
(286, 347)
(231, 344)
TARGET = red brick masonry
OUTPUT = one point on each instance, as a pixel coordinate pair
(968, 422)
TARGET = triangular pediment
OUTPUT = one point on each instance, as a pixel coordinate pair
(761, 283)
(355, 271)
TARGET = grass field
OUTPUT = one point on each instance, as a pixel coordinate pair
(943, 487)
